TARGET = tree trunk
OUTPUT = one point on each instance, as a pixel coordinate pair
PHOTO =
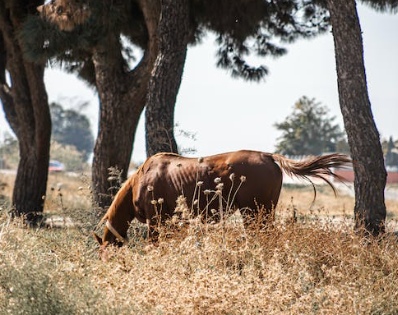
(122, 97)
(166, 76)
(26, 107)
(363, 137)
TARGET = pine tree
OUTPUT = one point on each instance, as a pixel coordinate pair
(93, 49)
(26, 108)
(308, 130)
(363, 137)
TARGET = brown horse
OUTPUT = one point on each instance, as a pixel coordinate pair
(247, 180)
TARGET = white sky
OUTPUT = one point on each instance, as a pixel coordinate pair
(229, 114)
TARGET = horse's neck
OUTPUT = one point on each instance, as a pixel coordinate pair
(123, 209)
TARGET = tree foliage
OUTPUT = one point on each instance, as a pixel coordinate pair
(243, 29)
(309, 130)
(391, 155)
(382, 5)
(72, 128)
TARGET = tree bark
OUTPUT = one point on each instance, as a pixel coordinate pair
(363, 137)
(166, 76)
(26, 107)
(122, 97)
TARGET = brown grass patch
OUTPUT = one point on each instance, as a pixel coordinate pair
(311, 266)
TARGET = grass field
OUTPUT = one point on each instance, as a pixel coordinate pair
(315, 265)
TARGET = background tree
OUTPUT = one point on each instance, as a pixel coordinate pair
(391, 156)
(9, 152)
(72, 128)
(93, 49)
(363, 137)
(25, 104)
(309, 130)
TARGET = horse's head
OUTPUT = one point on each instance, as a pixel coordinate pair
(110, 237)
(117, 218)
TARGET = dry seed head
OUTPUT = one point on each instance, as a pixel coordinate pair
(195, 202)
(207, 192)
(199, 183)
(232, 177)
(160, 201)
(217, 180)
(174, 219)
(220, 186)
(181, 204)
(185, 214)
(154, 202)
(243, 179)
(150, 188)
(213, 211)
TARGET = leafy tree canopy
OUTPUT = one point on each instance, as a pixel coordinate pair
(243, 28)
(69, 127)
(382, 5)
(309, 130)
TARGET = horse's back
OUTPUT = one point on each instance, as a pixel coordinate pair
(168, 176)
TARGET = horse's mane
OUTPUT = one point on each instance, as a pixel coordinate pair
(120, 194)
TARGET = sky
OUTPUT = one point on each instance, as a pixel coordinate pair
(227, 114)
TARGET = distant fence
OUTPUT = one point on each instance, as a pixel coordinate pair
(348, 175)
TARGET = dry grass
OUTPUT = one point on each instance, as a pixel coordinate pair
(308, 267)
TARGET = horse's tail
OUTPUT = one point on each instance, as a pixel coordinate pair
(315, 166)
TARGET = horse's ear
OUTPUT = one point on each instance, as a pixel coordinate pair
(99, 239)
